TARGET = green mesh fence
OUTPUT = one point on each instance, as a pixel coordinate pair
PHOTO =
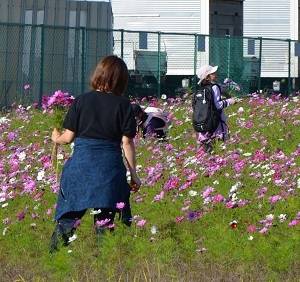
(58, 58)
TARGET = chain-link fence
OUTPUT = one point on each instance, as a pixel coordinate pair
(52, 58)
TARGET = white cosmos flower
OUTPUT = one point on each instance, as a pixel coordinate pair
(216, 182)
(240, 110)
(154, 230)
(73, 238)
(22, 156)
(12, 180)
(95, 212)
(60, 156)
(4, 205)
(4, 120)
(164, 96)
(4, 231)
(193, 193)
(41, 175)
(250, 238)
(282, 217)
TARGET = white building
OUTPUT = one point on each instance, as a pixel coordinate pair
(274, 19)
(205, 17)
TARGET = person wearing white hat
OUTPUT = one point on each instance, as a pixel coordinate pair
(208, 77)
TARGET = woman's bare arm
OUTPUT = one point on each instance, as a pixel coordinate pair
(62, 139)
(129, 150)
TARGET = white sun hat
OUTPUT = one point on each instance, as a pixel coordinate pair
(204, 71)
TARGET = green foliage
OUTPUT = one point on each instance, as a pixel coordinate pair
(128, 254)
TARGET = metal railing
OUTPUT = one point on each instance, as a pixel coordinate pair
(50, 58)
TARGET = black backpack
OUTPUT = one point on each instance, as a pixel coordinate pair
(206, 117)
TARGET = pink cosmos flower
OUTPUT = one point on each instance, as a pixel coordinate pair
(34, 215)
(151, 239)
(207, 192)
(21, 216)
(264, 230)
(77, 223)
(39, 195)
(218, 198)
(274, 199)
(27, 86)
(49, 211)
(192, 176)
(169, 148)
(251, 228)
(141, 223)
(179, 219)
(103, 222)
(201, 250)
(229, 205)
(294, 222)
(185, 208)
(120, 205)
(6, 220)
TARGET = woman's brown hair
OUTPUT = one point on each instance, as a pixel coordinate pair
(111, 75)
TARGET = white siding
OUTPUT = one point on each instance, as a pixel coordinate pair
(157, 15)
(164, 16)
(272, 19)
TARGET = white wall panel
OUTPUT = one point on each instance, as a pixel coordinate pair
(273, 19)
(154, 15)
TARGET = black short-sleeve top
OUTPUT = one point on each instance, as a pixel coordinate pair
(99, 115)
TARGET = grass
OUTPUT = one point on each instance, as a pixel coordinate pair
(256, 173)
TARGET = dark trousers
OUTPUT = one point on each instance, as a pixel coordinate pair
(65, 226)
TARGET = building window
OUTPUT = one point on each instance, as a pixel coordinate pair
(201, 43)
(143, 40)
(251, 47)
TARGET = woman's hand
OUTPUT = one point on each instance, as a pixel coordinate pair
(135, 183)
(55, 135)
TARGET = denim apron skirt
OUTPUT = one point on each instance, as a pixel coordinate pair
(93, 177)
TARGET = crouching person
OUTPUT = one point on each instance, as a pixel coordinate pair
(151, 121)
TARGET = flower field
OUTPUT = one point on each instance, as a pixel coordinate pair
(230, 215)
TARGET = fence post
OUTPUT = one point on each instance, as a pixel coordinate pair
(289, 78)
(228, 55)
(42, 64)
(122, 43)
(83, 60)
(195, 62)
(259, 65)
(158, 59)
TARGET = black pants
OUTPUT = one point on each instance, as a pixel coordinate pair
(65, 226)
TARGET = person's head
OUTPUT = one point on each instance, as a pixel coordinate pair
(138, 111)
(207, 74)
(111, 75)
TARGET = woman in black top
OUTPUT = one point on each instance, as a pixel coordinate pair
(95, 176)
